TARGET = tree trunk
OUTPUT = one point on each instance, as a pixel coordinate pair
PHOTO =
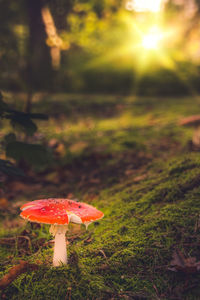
(39, 71)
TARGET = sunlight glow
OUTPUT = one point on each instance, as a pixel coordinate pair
(146, 43)
(152, 39)
(154, 6)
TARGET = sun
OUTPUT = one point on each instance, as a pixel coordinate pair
(152, 40)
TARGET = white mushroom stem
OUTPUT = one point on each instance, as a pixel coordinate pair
(196, 136)
(60, 249)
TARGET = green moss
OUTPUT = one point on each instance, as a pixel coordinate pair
(126, 254)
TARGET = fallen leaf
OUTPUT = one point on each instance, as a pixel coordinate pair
(140, 178)
(3, 203)
(60, 150)
(182, 264)
(15, 271)
(78, 147)
(129, 172)
(53, 143)
(94, 180)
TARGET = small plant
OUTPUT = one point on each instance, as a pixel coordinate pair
(13, 147)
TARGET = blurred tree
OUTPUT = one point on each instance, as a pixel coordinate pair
(38, 72)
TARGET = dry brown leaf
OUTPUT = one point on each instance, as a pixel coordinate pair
(20, 187)
(129, 172)
(78, 147)
(60, 150)
(53, 143)
(95, 180)
(140, 178)
(183, 264)
(15, 271)
(3, 203)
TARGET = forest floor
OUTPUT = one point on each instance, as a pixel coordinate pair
(128, 157)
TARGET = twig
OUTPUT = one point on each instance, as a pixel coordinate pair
(7, 241)
(103, 253)
(68, 294)
(156, 290)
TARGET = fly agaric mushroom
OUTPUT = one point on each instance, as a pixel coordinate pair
(59, 213)
(193, 121)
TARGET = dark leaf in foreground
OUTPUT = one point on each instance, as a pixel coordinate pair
(24, 122)
(182, 264)
(38, 116)
(12, 113)
(33, 154)
(10, 137)
(3, 105)
(9, 169)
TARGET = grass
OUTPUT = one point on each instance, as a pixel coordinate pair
(129, 158)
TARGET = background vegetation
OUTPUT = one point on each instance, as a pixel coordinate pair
(87, 46)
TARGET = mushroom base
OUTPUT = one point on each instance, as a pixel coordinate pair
(60, 250)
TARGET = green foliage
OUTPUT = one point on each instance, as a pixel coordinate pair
(33, 154)
(18, 119)
(24, 122)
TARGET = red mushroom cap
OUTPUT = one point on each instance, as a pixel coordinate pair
(60, 211)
